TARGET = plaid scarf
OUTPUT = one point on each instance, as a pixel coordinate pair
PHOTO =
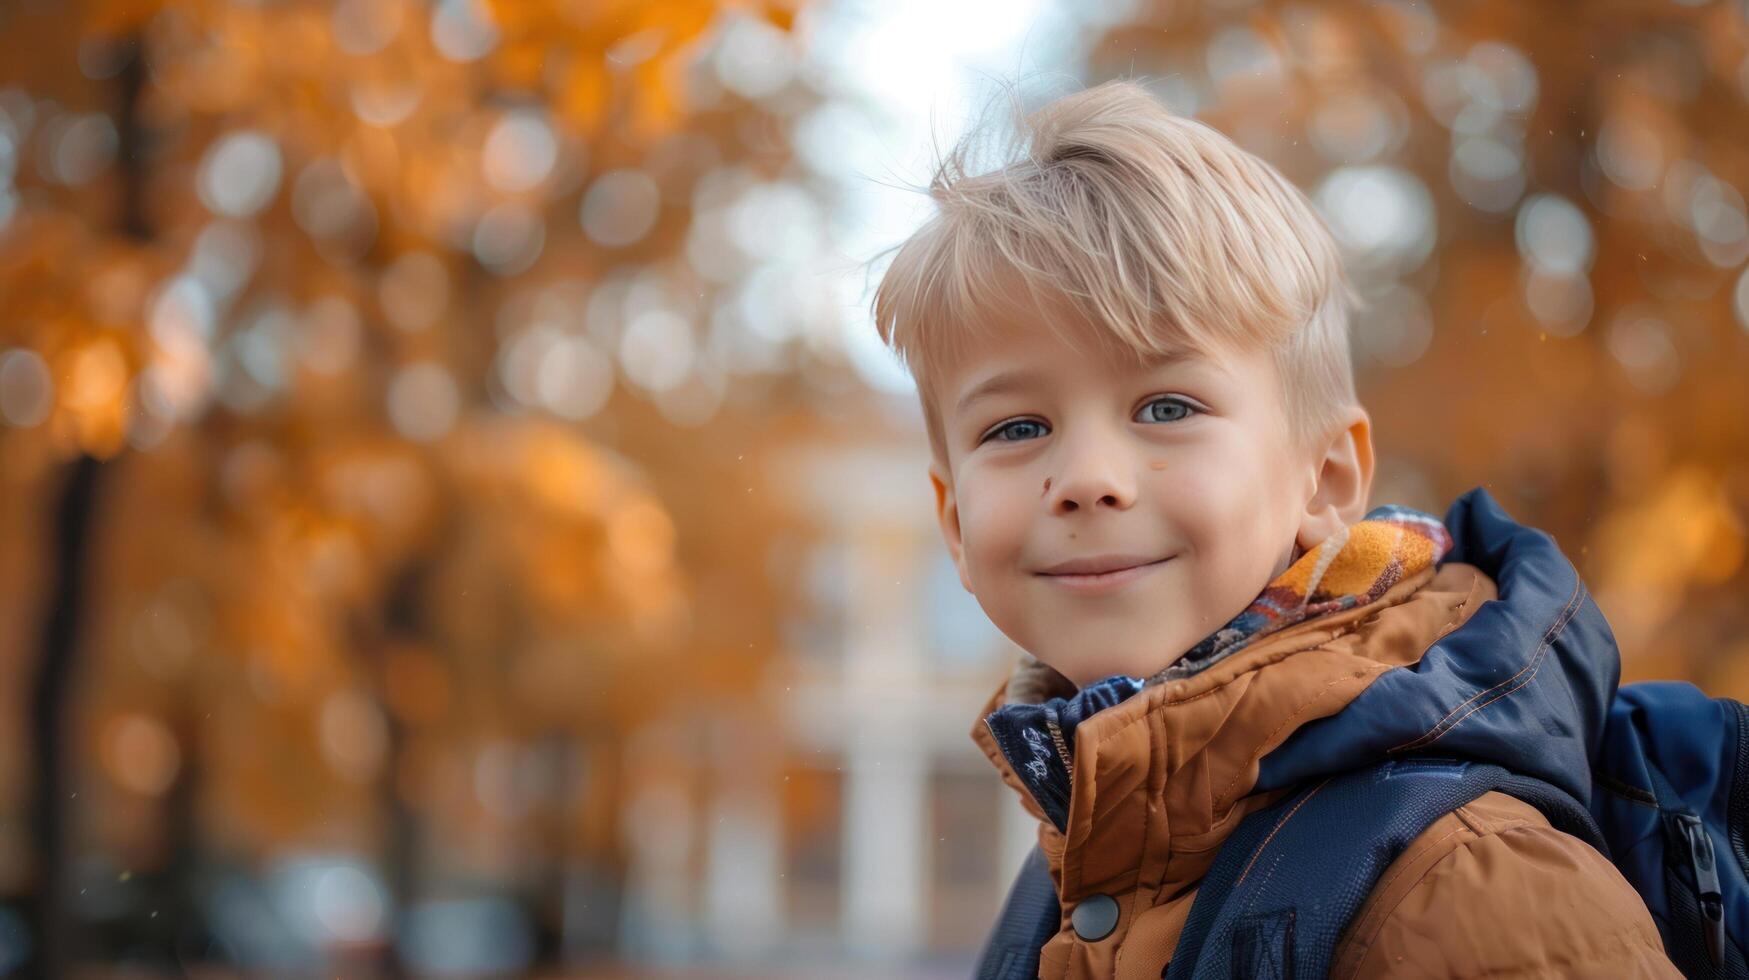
(1352, 567)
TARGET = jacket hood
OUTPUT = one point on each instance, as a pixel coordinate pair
(1498, 655)
(1525, 683)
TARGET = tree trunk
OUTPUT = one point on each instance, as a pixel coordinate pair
(51, 775)
(74, 554)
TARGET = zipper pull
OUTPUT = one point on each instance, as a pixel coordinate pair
(1701, 860)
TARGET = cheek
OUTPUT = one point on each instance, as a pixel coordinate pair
(992, 520)
(1223, 506)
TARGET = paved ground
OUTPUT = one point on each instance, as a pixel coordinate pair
(955, 970)
(792, 970)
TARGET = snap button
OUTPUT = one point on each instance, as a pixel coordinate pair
(1095, 917)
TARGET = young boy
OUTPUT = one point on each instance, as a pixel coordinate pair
(1150, 467)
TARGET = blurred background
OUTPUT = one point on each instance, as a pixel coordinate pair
(456, 518)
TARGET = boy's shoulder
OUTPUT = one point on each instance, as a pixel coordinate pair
(1493, 889)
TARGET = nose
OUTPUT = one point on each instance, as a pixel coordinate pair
(1093, 471)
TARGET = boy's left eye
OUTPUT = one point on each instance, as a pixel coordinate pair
(1181, 409)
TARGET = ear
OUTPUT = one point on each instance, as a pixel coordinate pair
(1343, 481)
(947, 513)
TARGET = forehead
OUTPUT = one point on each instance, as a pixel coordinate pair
(1011, 316)
(1028, 348)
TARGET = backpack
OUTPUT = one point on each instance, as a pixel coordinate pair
(1669, 806)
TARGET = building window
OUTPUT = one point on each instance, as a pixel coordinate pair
(817, 630)
(813, 798)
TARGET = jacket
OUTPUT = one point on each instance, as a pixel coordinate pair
(1497, 654)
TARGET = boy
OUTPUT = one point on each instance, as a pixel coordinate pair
(1151, 469)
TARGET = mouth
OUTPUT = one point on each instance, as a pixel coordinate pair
(1109, 580)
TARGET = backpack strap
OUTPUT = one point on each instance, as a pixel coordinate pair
(1030, 917)
(1287, 882)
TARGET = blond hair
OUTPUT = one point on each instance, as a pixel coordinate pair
(1153, 228)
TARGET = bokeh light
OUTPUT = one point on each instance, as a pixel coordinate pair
(505, 544)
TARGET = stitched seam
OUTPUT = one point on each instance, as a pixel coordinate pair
(1339, 631)
(1458, 618)
(1425, 741)
(1142, 718)
(1221, 797)
(1273, 831)
(1574, 601)
(1385, 885)
(1283, 655)
(1511, 825)
(1435, 733)
(1548, 635)
(1457, 612)
(1464, 816)
(1375, 921)
(1613, 942)
(1152, 817)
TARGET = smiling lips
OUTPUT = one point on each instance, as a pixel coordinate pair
(1099, 574)
(1093, 564)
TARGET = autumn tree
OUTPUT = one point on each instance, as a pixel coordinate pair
(318, 322)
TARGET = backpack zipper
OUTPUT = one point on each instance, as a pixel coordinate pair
(1697, 848)
(1737, 810)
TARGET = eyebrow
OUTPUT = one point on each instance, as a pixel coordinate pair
(1006, 381)
(996, 384)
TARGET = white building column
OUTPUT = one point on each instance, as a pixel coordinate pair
(886, 760)
(660, 830)
(743, 902)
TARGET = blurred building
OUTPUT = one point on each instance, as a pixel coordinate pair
(870, 830)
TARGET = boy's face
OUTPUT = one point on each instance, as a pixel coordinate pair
(1183, 468)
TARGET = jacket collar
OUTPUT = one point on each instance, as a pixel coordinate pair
(1445, 661)
(1352, 567)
